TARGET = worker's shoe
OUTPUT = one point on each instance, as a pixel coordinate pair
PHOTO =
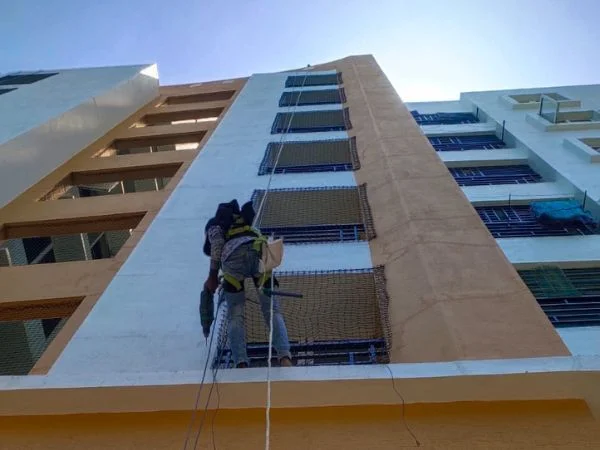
(285, 362)
(242, 365)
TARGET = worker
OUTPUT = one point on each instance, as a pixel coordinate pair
(234, 246)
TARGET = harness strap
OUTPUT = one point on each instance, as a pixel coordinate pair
(233, 281)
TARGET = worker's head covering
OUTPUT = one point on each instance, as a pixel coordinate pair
(227, 214)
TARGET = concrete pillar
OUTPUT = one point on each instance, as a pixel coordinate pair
(453, 294)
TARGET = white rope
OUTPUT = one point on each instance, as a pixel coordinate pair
(271, 309)
(268, 407)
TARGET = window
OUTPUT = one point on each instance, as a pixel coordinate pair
(115, 182)
(321, 97)
(31, 243)
(27, 328)
(6, 91)
(316, 214)
(310, 156)
(490, 175)
(569, 297)
(24, 78)
(519, 221)
(70, 247)
(342, 319)
(469, 142)
(181, 117)
(165, 143)
(444, 118)
(313, 80)
(311, 121)
(218, 96)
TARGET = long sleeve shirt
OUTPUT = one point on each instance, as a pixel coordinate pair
(221, 250)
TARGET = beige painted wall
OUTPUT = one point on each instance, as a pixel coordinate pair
(453, 294)
(515, 425)
(48, 286)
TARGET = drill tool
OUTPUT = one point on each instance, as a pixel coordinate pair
(207, 311)
(269, 292)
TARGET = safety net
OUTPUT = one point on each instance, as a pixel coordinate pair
(342, 319)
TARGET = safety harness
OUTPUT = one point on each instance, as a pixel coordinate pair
(235, 223)
(238, 229)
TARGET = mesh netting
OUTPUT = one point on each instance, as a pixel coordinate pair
(313, 80)
(311, 121)
(553, 282)
(61, 190)
(301, 207)
(23, 342)
(310, 155)
(341, 319)
(365, 211)
(317, 97)
(296, 214)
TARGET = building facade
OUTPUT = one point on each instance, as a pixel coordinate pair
(437, 311)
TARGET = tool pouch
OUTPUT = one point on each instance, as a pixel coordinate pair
(271, 255)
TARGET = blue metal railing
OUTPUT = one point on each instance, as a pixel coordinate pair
(268, 168)
(460, 143)
(317, 233)
(444, 118)
(569, 297)
(318, 353)
(519, 221)
(481, 176)
(581, 311)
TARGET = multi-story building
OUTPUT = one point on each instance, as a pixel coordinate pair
(437, 310)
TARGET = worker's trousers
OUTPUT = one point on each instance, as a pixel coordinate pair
(243, 263)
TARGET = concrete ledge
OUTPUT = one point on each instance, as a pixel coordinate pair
(542, 124)
(470, 158)
(492, 380)
(466, 129)
(507, 100)
(563, 251)
(516, 194)
(581, 149)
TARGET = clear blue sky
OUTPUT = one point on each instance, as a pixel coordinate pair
(430, 50)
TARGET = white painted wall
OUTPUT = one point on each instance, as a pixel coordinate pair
(484, 157)
(565, 251)
(45, 123)
(147, 319)
(549, 146)
(584, 341)
(570, 173)
(435, 107)
(459, 129)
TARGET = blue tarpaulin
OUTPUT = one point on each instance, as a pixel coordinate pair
(561, 212)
